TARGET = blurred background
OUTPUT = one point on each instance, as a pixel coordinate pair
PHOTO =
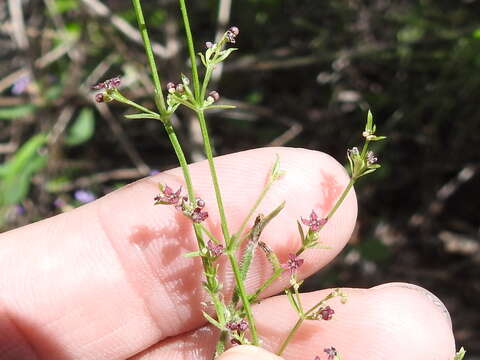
(305, 75)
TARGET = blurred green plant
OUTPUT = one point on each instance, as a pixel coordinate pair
(17, 173)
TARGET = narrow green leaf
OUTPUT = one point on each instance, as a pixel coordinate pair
(142, 116)
(223, 107)
(82, 129)
(300, 230)
(192, 254)
(460, 354)
(369, 125)
(212, 320)
(12, 113)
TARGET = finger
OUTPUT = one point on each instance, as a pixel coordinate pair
(248, 353)
(108, 279)
(394, 321)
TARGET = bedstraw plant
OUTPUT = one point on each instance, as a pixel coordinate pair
(233, 315)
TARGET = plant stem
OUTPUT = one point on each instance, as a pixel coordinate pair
(191, 49)
(341, 198)
(159, 100)
(244, 297)
(290, 336)
(213, 172)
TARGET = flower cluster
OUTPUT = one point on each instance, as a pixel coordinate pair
(215, 249)
(108, 86)
(193, 210)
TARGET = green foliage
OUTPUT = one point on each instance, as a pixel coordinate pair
(82, 129)
(16, 112)
(16, 174)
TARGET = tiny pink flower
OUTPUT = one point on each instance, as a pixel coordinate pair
(215, 249)
(327, 313)
(331, 352)
(313, 222)
(232, 33)
(293, 263)
(168, 196)
(241, 325)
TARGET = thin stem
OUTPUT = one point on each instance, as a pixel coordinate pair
(341, 198)
(159, 100)
(181, 158)
(213, 172)
(119, 97)
(290, 336)
(244, 297)
(191, 50)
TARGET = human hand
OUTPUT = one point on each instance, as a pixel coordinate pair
(108, 280)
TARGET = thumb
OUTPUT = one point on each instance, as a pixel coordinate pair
(245, 352)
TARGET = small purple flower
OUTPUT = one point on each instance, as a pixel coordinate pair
(293, 263)
(59, 203)
(313, 222)
(154, 172)
(331, 352)
(84, 196)
(208, 44)
(198, 215)
(168, 196)
(327, 313)
(21, 85)
(19, 209)
(215, 249)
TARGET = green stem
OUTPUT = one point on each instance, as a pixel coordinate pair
(181, 158)
(244, 297)
(213, 172)
(290, 336)
(341, 198)
(159, 100)
(119, 97)
(191, 50)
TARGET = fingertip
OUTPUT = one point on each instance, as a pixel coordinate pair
(246, 352)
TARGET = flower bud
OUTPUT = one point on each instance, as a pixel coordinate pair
(234, 30)
(99, 98)
(209, 45)
(214, 95)
(171, 87)
(180, 89)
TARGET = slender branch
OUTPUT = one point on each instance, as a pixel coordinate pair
(290, 336)
(244, 297)
(191, 49)
(159, 100)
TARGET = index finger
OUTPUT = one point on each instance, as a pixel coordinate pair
(108, 280)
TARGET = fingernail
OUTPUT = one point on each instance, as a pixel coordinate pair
(433, 298)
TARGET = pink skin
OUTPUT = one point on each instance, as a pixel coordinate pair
(107, 280)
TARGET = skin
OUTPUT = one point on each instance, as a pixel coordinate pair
(108, 280)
